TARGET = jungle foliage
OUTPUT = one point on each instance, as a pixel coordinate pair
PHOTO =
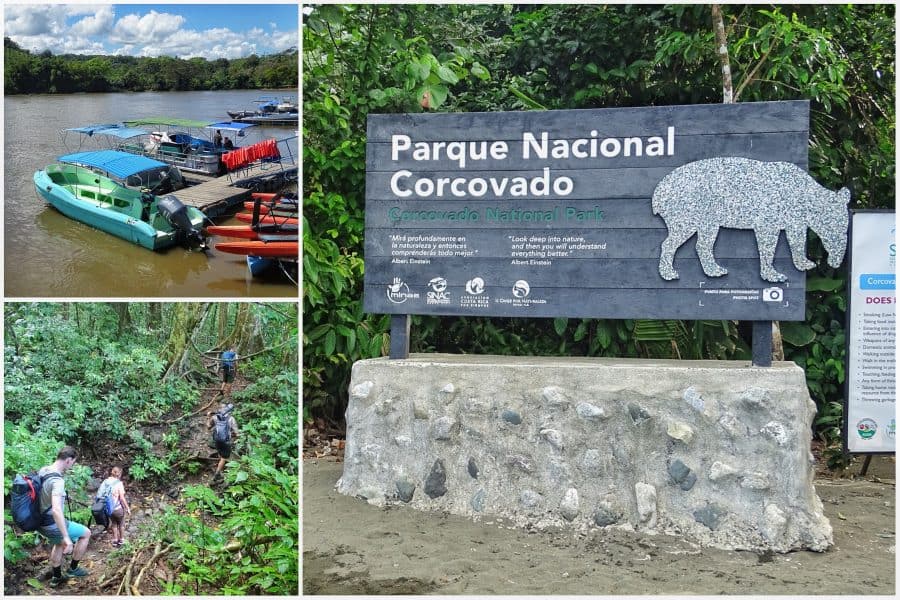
(45, 73)
(128, 376)
(365, 59)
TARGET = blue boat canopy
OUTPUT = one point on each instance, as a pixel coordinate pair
(231, 125)
(120, 164)
(111, 129)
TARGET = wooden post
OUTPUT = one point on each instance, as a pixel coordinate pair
(400, 336)
(762, 343)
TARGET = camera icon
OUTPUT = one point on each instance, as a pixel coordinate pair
(772, 294)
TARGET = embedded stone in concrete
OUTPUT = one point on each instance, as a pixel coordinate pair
(746, 476)
(719, 470)
(693, 397)
(530, 499)
(553, 437)
(478, 501)
(435, 485)
(523, 463)
(405, 489)
(709, 515)
(776, 431)
(606, 514)
(638, 414)
(511, 416)
(755, 481)
(646, 503)
(555, 397)
(678, 471)
(588, 411)
(444, 428)
(569, 506)
(678, 430)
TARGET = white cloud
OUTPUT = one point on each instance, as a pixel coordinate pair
(94, 29)
(150, 28)
(96, 24)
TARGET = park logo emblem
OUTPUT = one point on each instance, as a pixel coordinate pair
(521, 289)
(438, 293)
(866, 428)
(398, 292)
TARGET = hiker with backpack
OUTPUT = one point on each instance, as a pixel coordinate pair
(65, 536)
(229, 367)
(110, 506)
(224, 432)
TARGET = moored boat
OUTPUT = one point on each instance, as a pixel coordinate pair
(261, 248)
(86, 187)
(267, 219)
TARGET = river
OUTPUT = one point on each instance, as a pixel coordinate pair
(50, 255)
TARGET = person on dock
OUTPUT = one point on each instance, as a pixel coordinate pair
(224, 432)
(229, 145)
(217, 139)
(229, 368)
(65, 536)
(113, 486)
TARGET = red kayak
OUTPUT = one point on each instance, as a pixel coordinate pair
(267, 219)
(280, 208)
(267, 195)
(247, 232)
(261, 248)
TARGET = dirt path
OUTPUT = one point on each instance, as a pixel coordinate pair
(351, 547)
(104, 563)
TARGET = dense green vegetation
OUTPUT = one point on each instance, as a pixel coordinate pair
(393, 58)
(129, 383)
(44, 73)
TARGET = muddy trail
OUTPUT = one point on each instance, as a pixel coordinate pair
(138, 567)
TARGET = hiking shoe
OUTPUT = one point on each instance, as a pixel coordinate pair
(58, 581)
(79, 572)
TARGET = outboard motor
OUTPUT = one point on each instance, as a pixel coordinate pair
(177, 215)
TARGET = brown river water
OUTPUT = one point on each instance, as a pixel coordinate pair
(48, 255)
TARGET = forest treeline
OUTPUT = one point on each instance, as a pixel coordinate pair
(45, 73)
(362, 59)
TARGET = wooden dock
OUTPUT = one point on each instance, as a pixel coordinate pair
(220, 195)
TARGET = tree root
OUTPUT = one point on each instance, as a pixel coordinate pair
(125, 584)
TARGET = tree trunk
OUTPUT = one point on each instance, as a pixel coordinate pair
(123, 315)
(722, 51)
(184, 321)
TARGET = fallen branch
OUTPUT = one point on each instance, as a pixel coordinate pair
(192, 458)
(135, 587)
(112, 579)
(126, 580)
(176, 419)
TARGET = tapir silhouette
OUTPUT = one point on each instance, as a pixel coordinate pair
(740, 193)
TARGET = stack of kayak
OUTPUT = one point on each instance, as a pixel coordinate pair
(270, 234)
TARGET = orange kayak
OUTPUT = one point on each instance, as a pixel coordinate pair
(267, 219)
(260, 248)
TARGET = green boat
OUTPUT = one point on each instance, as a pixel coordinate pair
(90, 187)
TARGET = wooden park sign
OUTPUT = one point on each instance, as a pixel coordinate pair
(589, 213)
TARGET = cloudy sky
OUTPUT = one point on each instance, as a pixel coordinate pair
(184, 30)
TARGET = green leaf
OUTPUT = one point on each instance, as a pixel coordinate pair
(447, 74)
(480, 72)
(35, 583)
(823, 284)
(797, 333)
(559, 325)
(330, 342)
(438, 94)
(241, 476)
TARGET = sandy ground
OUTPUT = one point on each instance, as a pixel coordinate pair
(351, 547)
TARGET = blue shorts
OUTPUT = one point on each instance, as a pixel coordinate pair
(51, 532)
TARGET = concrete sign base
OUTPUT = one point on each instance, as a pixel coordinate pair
(716, 452)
